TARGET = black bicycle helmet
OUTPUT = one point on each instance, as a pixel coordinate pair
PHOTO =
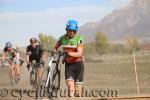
(33, 40)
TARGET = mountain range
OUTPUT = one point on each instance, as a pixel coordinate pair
(130, 20)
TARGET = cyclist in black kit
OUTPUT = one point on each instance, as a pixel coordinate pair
(34, 52)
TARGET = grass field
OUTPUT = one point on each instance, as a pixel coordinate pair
(118, 73)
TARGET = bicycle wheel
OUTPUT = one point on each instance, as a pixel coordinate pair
(44, 83)
(54, 85)
(36, 81)
(37, 85)
(56, 80)
(12, 81)
(32, 79)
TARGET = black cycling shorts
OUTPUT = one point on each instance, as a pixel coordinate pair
(40, 66)
(74, 71)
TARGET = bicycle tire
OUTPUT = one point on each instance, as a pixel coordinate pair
(44, 89)
(36, 79)
(55, 84)
(52, 86)
(12, 80)
(37, 85)
(56, 80)
(32, 79)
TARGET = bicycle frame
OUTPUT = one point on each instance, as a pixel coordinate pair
(51, 59)
(51, 74)
(50, 70)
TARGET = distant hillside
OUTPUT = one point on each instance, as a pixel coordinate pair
(133, 19)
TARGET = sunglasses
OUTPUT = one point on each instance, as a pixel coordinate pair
(32, 42)
(71, 30)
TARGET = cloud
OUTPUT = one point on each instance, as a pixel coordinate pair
(84, 13)
(50, 21)
(23, 25)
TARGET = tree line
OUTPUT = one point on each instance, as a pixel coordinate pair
(99, 46)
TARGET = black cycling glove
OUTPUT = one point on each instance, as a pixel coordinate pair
(28, 66)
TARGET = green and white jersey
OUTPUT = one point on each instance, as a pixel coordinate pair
(70, 45)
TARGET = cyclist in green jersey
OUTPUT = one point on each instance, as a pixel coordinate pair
(74, 69)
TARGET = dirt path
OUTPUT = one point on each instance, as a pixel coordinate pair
(24, 85)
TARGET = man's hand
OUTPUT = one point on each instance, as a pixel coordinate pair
(53, 50)
(28, 66)
(66, 53)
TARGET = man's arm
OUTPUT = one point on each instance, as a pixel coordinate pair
(58, 44)
(28, 53)
(43, 55)
(3, 56)
(78, 53)
(27, 59)
(15, 56)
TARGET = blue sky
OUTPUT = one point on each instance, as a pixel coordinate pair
(37, 5)
(22, 19)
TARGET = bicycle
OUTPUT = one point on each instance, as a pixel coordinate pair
(51, 75)
(12, 74)
(33, 75)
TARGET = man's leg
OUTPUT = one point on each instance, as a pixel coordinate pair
(78, 89)
(69, 76)
(79, 78)
(40, 71)
(11, 70)
(71, 87)
(17, 67)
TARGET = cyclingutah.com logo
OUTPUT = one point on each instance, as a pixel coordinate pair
(55, 93)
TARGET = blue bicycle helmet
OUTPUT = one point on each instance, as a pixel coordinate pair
(72, 25)
(8, 45)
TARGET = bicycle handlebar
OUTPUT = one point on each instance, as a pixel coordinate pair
(6, 63)
(60, 53)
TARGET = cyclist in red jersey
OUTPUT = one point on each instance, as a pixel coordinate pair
(74, 68)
